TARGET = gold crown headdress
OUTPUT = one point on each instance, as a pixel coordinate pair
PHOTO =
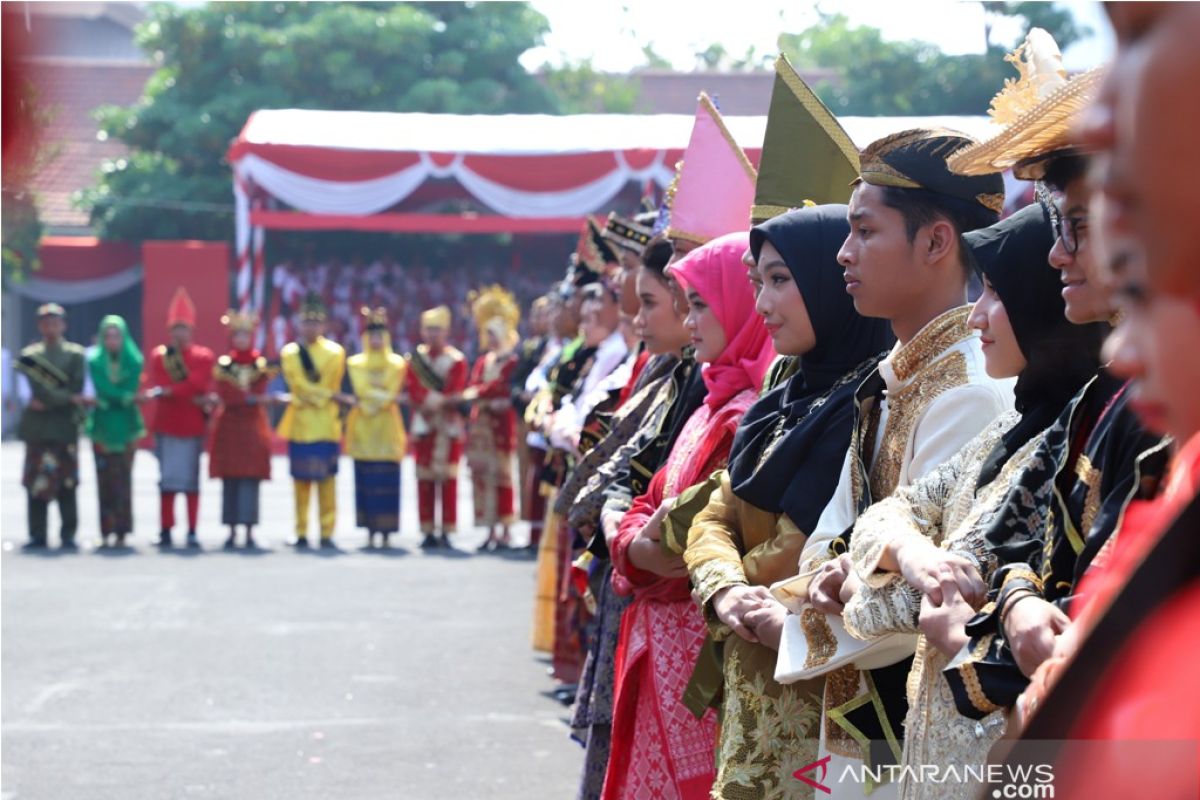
(1037, 109)
(240, 321)
(374, 319)
(495, 308)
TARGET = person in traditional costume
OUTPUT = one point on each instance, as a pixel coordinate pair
(923, 550)
(602, 477)
(313, 367)
(1111, 710)
(530, 352)
(375, 435)
(440, 372)
(115, 425)
(49, 427)
(658, 749)
(1097, 457)
(492, 431)
(241, 446)
(180, 378)
(903, 261)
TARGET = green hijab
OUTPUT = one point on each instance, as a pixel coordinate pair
(116, 421)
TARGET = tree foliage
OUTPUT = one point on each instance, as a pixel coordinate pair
(876, 77)
(222, 61)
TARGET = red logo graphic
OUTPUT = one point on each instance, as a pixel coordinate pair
(819, 783)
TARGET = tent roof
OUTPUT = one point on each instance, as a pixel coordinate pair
(527, 134)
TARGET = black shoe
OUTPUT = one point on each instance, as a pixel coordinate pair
(164, 540)
(328, 543)
(301, 543)
(385, 540)
(192, 542)
(430, 542)
(34, 546)
(250, 543)
(119, 540)
(69, 546)
(230, 543)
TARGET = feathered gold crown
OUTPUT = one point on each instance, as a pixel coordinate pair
(491, 305)
(236, 321)
(1039, 72)
(374, 319)
(1036, 110)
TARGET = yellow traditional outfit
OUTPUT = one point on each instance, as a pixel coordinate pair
(375, 435)
(312, 424)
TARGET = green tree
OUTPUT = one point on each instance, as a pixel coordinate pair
(876, 77)
(580, 89)
(221, 61)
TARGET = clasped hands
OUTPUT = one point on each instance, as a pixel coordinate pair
(950, 586)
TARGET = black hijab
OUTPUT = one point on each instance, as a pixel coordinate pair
(812, 413)
(1059, 356)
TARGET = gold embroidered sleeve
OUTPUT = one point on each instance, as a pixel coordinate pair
(915, 510)
(874, 611)
(714, 549)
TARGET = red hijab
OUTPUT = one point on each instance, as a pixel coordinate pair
(716, 273)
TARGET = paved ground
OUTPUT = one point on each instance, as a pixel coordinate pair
(280, 675)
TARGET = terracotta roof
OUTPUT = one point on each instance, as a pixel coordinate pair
(71, 89)
(736, 93)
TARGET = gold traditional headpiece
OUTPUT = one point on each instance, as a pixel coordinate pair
(240, 321)
(374, 319)
(1037, 109)
(495, 308)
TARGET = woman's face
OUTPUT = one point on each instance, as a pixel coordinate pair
(656, 322)
(240, 340)
(708, 337)
(375, 340)
(1001, 352)
(113, 339)
(1154, 345)
(779, 302)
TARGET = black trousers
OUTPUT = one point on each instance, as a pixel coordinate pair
(40, 509)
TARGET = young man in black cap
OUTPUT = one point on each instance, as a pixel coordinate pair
(50, 426)
(904, 261)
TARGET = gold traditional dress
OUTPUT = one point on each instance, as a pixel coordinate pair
(375, 435)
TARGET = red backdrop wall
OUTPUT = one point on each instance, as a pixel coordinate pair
(200, 267)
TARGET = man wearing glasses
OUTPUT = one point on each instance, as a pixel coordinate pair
(1091, 459)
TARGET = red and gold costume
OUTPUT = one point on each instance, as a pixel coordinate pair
(492, 440)
(439, 377)
(180, 380)
(241, 446)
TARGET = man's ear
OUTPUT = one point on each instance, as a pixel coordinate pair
(942, 240)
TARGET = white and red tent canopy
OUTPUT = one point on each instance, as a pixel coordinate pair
(515, 173)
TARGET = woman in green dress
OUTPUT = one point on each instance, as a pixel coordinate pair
(115, 425)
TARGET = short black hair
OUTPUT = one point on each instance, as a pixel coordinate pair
(920, 207)
(1065, 170)
(657, 255)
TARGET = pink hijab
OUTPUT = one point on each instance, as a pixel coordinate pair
(716, 273)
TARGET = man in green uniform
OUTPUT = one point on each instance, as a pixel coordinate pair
(50, 426)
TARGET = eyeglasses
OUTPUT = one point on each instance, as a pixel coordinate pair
(1069, 233)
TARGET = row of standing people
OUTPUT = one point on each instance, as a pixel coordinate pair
(856, 568)
(197, 395)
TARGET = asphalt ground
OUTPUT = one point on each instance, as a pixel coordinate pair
(355, 674)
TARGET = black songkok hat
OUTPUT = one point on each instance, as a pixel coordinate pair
(916, 159)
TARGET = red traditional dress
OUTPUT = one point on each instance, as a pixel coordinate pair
(181, 379)
(437, 430)
(492, 438)
(659, 749)
(241, 446)
(1140, 718)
